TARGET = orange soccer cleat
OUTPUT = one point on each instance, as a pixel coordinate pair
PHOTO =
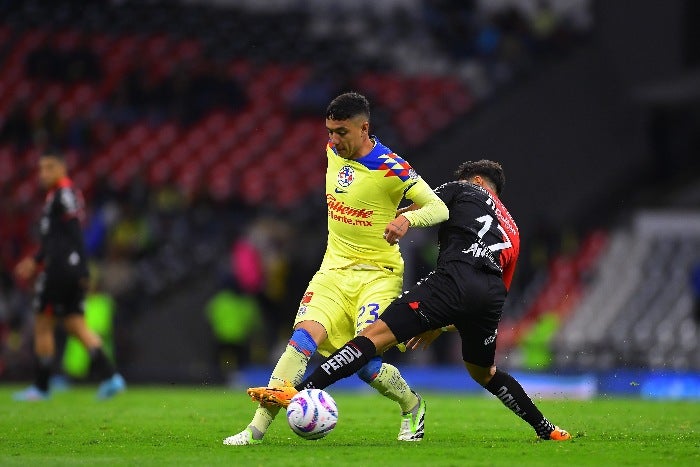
(281, 395)
(559, 435)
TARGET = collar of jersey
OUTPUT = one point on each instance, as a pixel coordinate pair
(370, 160)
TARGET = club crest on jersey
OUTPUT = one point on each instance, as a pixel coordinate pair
(346, 176)
(307, 298)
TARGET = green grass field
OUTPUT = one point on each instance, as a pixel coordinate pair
(185, 426)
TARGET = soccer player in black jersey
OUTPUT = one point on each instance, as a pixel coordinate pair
(60, 286)
(479, 246)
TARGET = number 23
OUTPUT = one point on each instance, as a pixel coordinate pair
(372, 309)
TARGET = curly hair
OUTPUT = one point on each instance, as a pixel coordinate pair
(348, 105)
(486, 168)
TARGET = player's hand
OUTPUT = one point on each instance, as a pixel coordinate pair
(26, 268)
(396, 229)
(423, 340)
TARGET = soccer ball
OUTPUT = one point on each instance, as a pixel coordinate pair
(312, 413)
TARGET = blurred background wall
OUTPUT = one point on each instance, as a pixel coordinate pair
(195, 129)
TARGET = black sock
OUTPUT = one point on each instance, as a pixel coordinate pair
(43, 373)
(513, 396)
(101, 365)
(342, 363)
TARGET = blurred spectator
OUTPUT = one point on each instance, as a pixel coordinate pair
(544, 22)
(131, 235)
(272, 238)
(552, 33)
(132, 229)
(536, 343)
(96, 232)
(13, 347)
(118, 274)
(246, 266)
(234, 317)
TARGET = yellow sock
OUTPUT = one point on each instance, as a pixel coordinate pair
(263, 419)
(391, 384)
(290, 368)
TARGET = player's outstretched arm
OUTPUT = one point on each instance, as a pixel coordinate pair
(412, 207)
(431, 209)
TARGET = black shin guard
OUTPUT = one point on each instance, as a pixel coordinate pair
(43, 373)
(341, 364)
(513, 396)
(101, 366)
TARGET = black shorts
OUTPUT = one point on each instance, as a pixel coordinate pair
(59, 295)
(456, 293)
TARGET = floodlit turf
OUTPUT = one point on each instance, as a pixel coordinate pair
(185, 426)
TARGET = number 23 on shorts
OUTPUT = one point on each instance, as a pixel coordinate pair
(367, 315)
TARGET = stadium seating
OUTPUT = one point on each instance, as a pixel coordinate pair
(637, 308)
(555, 291)
(259, 139)
(117, 111)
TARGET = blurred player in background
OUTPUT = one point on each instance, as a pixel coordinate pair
(362, 268)
(479, 246)
(60, 287)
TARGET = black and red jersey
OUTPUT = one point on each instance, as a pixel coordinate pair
(480, 230)
(62, 245)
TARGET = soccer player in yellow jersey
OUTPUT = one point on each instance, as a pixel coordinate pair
(362, 269)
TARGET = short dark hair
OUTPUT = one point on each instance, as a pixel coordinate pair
(347, 106)
(486, 168)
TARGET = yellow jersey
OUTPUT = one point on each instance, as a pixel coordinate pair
(362, 196)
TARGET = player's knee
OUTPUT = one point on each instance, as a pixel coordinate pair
(480, 374)
(371, 369)
(302, 342)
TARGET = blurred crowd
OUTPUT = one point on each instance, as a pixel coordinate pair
(146, 241)
(187, 94)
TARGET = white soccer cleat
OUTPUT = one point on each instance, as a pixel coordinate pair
(413, 423)
(243, 438)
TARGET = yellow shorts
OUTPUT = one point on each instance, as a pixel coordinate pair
(345, 301)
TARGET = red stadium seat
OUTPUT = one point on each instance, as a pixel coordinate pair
(159, 172)
(66, 39)
(166, 135)
(188, 49)
(7, 165)
(240, 70)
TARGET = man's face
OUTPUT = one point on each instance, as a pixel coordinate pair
(51, 170)
(347, 135)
